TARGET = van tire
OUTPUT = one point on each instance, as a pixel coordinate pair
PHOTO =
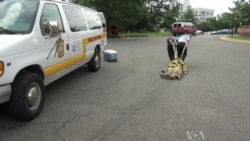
(95, 62)
(27, 97)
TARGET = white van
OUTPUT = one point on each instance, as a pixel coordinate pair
(40, 42)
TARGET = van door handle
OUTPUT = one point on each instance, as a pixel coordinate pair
(67, 47)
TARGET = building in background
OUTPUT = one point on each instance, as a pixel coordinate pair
(185, 5)
(202, 14)
(183, 9)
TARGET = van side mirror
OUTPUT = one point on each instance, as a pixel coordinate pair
(53, 28)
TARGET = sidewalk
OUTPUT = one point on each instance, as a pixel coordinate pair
(234, 40)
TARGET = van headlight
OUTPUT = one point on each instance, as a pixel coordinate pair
(1, 68)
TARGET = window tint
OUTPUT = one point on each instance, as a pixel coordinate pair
(93, 20)
(51, 13)
(75, 18)
(102, 20)
(187, 25)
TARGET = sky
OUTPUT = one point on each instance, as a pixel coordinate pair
(219, 6)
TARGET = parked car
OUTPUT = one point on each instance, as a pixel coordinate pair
(113, 30)
(223, 31)
(213, 32)
(199, 32)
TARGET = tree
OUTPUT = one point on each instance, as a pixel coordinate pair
(83, 2)
(189, 16)
(134, 15)
(160, 12)
(244, 13)
(169, 18)
(240, 14)
(225, 21)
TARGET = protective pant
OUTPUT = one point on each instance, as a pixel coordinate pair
(170, 52)
(180, 47)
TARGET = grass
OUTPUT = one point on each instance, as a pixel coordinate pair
(237, 36)
(142, 34)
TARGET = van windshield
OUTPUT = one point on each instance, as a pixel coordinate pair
(17, 16)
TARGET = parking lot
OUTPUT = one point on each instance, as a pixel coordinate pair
(128, 101)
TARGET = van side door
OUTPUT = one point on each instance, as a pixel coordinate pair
(78, 33)
(56, 61)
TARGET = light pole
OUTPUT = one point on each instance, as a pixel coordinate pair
(233, 16)
(232, 23)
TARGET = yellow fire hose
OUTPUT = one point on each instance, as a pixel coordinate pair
(177, 67)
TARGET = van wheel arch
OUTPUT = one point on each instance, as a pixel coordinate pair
(34, 68)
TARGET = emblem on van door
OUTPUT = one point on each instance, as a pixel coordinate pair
(60, 48)
(59, 45)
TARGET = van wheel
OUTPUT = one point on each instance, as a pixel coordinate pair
(95, 62)
(27, 97)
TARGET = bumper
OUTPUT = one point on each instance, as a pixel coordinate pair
(5, 92)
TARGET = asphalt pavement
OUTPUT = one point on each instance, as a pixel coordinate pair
(128, 101)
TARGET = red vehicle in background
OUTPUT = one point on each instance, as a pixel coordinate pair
(180, 28)
(113, 30)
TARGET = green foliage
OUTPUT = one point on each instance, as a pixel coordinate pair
(225, 21)
(152, 15)
(237, 36)
(169, 18)
(135, 15)
(189, 16)
(243, 12)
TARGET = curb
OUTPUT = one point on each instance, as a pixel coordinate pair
(234, 40)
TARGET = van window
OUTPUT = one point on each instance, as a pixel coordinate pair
(103, 20)
(187, 25)
(18, 16)
(76, 21)
(93, 20)
(51, 13)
